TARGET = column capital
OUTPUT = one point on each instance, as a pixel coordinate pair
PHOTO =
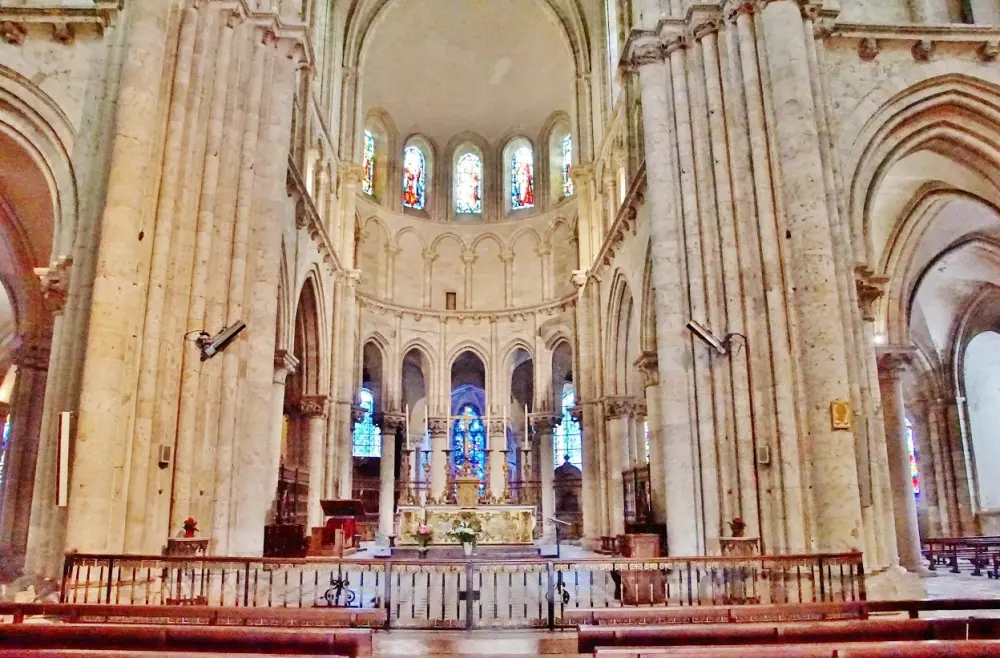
(314, 406)
(893, 360)
(350, 173)
(32, 356)
(544, 421)
(496, 427)
(648, 364)
(285, 364)
(619, 406)
(870, 289)
(389, 421)
(642, 49)
(583, 174)
(438, 426)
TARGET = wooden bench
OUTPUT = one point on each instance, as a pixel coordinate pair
(178, 638)
(876, 630)
(929, 649)
(979, 552)
(710, 614)
(198, 615)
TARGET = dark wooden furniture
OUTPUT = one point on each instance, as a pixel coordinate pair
(342, 516)
(977, 552)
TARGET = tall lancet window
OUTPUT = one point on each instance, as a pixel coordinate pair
(367, 435)
(4, 441)
(567, 165)
(469, 432)
(912, 450)
(567, 440)
(522, 179)
(368, 171)
(469, 184)
(414, 178)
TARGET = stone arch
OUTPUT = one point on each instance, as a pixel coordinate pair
(429, 356)
(432, 189)
(556, 127)
(622, 348)
(409, 230)
(387, 148)
(308, 343)
(505, 151)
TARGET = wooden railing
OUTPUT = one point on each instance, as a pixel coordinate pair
(975, 552)
(462, 593)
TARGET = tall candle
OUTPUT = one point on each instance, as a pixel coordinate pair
(526, 430)
(406, 425)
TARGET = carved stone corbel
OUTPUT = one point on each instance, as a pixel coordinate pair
(13, 33)
(868, 49)
(922, 50)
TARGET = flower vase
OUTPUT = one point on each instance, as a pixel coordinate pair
(467, 547)
(738, 530)
(422, 552)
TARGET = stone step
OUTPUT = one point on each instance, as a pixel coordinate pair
(474, 643)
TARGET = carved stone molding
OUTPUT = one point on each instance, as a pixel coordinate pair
(619, 406)
(989, 50)
(55, 283)
(389, 421)
(649, 365)
(870, 290)
(314, 406)
(544, 422)
(62, 18)
(922, 50)
(285, 363)
(12, 33)
(868, 49)
(32, 356)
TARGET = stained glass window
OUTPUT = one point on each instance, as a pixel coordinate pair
(469, 184)
(469, 427)
(4, 440)
(567, 164)
(367, 435)
(911, 447)
(414, 177)
(567, 440)
(522, 179)
(645, 434)
(368, 179)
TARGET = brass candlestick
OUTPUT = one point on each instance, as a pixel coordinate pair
(407, 497)
(487, 496)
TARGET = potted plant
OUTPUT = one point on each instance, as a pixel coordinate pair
(190, 527)
(424, 534)
(737, 526)
(466, 535)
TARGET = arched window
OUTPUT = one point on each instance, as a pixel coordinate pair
(368, 173)
(414, 178)
(645, 434)
(567, 164)
(469, 184)
(567, 440)
(367, 435)
(4, 442)
(522, 179)
(469, 430)
(912, 451)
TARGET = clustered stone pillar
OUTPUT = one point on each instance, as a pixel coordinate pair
(619, 412)
(892, 364)
(544, 425)
(285, 364)
(315, 409)
(587, 411)
(21, 455)
(651, 378)
(497, 444)
(387, 472)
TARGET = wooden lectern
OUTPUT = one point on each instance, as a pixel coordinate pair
(339, 536)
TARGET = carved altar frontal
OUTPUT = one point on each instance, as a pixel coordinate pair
(494, 524)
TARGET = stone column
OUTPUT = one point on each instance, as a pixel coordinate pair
(544, 424)
(429, 257)
(497, 443)
(346, 364)
(315, 409)
(651, 378)
(814, 294)
(545, 253)
(619, 412)
(22, 453)
(387, 473)
(438, 428)
(285, 364)
(391, 253)
(507, 257)
(893, 362)
(468, 258)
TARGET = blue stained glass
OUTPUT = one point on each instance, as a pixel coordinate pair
(522, 179)
(469, 184)
(368, 178)
(4, 440)
(914, 471)
(414, 177)
(567, 165)
(367, 435)
(568, 440)
(469, 425)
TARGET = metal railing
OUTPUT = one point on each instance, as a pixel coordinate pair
(462, 593)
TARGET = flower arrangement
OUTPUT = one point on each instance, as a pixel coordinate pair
(464, 533)
(190, 526)
(737, 526)
(424, 534)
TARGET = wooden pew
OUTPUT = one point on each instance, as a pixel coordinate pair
(710, 614)
(929, 649)
(979, 552)
(875, 630)
(181, 639)
(198, 615)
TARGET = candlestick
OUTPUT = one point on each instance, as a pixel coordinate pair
(408, 484)
(526, 428)
(406, 425)
(505, 496)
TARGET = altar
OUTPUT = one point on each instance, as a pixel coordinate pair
(494, 524)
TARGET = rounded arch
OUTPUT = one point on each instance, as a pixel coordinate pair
(385, 170)
(417, 182)
(461, 145)
(554, 170)
(487, 237)
(520, 233)
(408, 230)
(518, 157)
(445, 238)
(554, 226)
